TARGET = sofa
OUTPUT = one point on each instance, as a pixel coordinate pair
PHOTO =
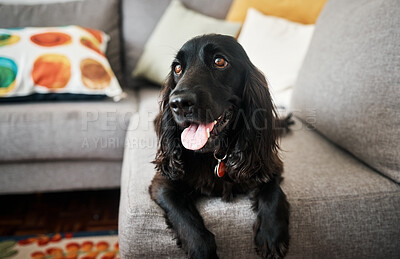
(341, 158)
(342, 168)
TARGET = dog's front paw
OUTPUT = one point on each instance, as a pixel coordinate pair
(204, 246)
(271, 238)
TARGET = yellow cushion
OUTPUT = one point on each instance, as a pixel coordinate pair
(301, 11)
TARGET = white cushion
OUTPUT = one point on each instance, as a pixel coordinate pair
(277, 47)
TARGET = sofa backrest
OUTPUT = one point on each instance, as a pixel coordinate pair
(349, 84)
(140, 17)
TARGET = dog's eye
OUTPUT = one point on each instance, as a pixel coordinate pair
(178, 69)
(220, 62)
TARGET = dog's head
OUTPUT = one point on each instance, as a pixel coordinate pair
(216, 100)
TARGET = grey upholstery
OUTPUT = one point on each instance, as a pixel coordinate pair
(340, 208)
(63, 145)
(65, 130)
(59, 175)
(349, 84)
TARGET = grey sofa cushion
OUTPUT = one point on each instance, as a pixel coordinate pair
(349, 85)
(340, 208)
(67, 175)
(148, 13)
(98, 14)
(65, 130)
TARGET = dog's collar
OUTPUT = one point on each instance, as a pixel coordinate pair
(219, 169)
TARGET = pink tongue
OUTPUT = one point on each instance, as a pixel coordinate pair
(195, 136)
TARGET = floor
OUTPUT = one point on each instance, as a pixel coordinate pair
(59, 212)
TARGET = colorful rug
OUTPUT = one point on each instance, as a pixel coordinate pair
(80, 245)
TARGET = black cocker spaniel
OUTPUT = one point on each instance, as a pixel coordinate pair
(218, 136)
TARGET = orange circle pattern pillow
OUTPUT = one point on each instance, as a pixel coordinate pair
(68, 59)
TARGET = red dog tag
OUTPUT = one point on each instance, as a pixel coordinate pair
(220, 168)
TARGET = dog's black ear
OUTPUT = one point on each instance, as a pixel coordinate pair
(169, 154)
(166, 89)
(256, 152)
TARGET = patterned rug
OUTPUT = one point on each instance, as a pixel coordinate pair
(79, 245)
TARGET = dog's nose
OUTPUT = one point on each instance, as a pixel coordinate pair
(183, 103)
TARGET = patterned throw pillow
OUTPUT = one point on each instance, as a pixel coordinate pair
(55, 60)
